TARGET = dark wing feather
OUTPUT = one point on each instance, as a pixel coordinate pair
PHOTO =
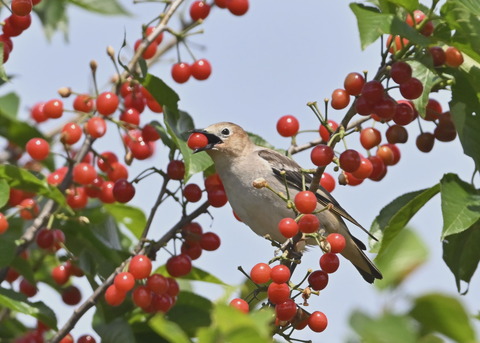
(295, 178)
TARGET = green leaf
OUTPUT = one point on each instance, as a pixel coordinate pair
(463, 16)
(400, 258)
(465, 105)
(262, 142)
(196, 274)
(23, 267)
(168, 330)
(164, 135)
(371, 23)
(133, 218)
(23, 179)
(393, 217)
(3, 74)
(178, 125)
(19, 303)
(7, 252)
(16, 131)
(461, 254)
(9, 104)
(460, 205)
(409, 5)
(444, 314)
(238, 327)
(429, 79)
(116, 331)
(161, 92)
(53, 15)
(4, 192)
(191, 311)
(387, 328)
(108, 7)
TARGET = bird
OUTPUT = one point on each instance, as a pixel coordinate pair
(239, 162)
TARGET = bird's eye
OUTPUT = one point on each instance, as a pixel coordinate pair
(225, 132)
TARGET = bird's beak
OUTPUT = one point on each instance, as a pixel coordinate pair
(212, 140)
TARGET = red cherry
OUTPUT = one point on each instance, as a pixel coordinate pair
(396, 134)
(135, 100)
(379, 168)
(37, 112)
(27, 288)
(385, 108)
(433, 110)
(84, 173)
(305, 201)
(363, 107)
(438, 55)
(130, 116)
(192, 232)
(53, 108)
(117, 171)
(217, 197)
(324, 133)
(237, 7)
(278, 292)
(107, 103)
(260, 273)
(150, 133)
(370, 137)
(157, 283)
(288, 126)
(201, 69)
(38, 148)
(60, 274)
(321, 155)
(77, 198)
(192, 192)
(20, 22)
(364, 170)
(349, 160)
(149, 52)
(337, 242)
(162, 303)
(3, 223)
(286, 310)
(96, 127)
(113, 296)
(179, 265)
(317, 321)
(240, 304)
(181, 72)
(140, 266)
(21, 7)
(142, 296)
(124, 281)
(318, 280)
(404, 113)
(288, 227)
(71, 133)
(71, 295)
(309, 223)
(210, 241)
(221, 3)
(28, 209)
(386, 154)
(401, 72)
(373, 91)
(340, 99)
(106, 160)
(173, 288)
(176, 170)
(150, 30)
(327, 182)
(411, 89)
(86, 339)
(280, 274)
(123, 191)
(197, 141)
(192, 249)
(67, 339)
(83, 103)
(353, 83)
(329, 262)
(199, 10)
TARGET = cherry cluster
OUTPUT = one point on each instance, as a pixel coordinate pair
(280, 290)
(16, 23)
(372, 100)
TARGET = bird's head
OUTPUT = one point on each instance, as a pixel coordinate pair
(225, 138)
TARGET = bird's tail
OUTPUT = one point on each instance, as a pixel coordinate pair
(364, 265)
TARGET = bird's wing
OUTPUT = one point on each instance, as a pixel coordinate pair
(295, 178)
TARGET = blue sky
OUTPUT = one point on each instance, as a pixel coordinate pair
(269, 63)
